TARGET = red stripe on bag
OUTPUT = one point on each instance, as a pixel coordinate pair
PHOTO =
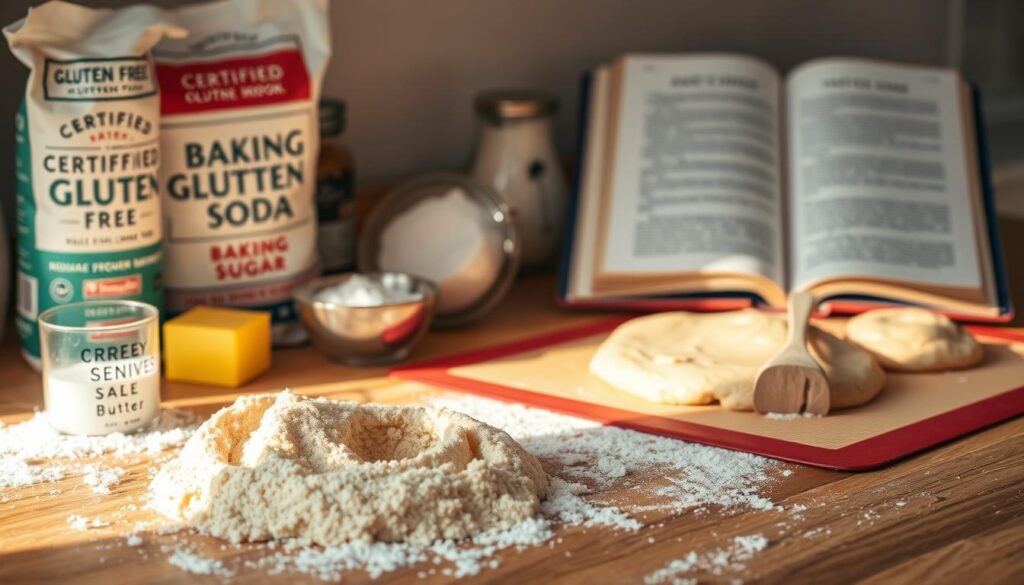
(270, 78)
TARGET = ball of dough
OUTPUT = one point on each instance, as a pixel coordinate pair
(914, 340)
(691, 358)
(327, 472)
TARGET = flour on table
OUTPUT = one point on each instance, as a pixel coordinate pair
(102, 479)
(585, 460)
(82, 523)
(32, 452)
(697, 477)
(36, 439)
(199, 565)
(729, 559)
(337, 472)
(17, 472)
(694, 476)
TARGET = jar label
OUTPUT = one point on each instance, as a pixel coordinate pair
(98, 397)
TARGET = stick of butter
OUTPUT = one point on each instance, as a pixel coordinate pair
(217, 346)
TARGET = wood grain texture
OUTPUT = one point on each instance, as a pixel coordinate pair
(949, 515)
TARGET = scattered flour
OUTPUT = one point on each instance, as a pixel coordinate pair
(36, 439)
(717, 562)
(101, 479)
(583, 459)
(82, 523)
(565, 504)
(16, 472)
(611, 467)
(696, 475)
(33, 452)
(790, 415)
(196, 564)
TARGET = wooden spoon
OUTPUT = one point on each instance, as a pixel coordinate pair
(793, 381)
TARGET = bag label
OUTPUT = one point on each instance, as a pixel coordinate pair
(275, 77)
(239, 146)
(88, 217)
(238, 198)
(238, 180)
(87, 152)
(98, 79)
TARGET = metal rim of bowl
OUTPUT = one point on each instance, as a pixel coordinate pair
(306, 291)
(397, 201)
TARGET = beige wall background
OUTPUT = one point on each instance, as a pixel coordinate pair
(409, 68)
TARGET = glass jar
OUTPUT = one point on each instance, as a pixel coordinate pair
(335, 192)
(452, 231)
(101, 366)
(516, 157)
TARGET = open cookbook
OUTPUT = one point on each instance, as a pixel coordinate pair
(713, 182)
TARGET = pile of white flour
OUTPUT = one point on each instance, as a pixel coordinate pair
(321, 471)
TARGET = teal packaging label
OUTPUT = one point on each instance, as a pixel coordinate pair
(88, 204)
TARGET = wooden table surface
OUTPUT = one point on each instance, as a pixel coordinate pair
(961, 518)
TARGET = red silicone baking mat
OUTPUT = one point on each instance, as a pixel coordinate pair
(914, 412)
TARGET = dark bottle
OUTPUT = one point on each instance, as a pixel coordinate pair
(335, 192)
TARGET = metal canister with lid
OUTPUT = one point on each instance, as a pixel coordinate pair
(516, 157)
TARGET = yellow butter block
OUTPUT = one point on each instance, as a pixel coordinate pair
(218, 346)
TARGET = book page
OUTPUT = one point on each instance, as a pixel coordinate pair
(695, 168)
(878, 175)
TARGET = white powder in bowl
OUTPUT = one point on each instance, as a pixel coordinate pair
(360, 291)
(448, 240)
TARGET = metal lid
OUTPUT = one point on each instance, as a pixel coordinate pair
(495, 217)
(514, 104)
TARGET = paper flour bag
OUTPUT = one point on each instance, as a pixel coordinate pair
(239, 143)
(87, 147)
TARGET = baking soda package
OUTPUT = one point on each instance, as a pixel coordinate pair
(239, 140)
(88, 150)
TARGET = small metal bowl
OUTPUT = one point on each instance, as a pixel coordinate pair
(367, 335)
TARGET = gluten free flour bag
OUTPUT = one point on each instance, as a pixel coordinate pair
(87, 144)
(240, 139)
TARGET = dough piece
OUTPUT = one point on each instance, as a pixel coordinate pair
(914, 340)
(327, 472)
(690, 358)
